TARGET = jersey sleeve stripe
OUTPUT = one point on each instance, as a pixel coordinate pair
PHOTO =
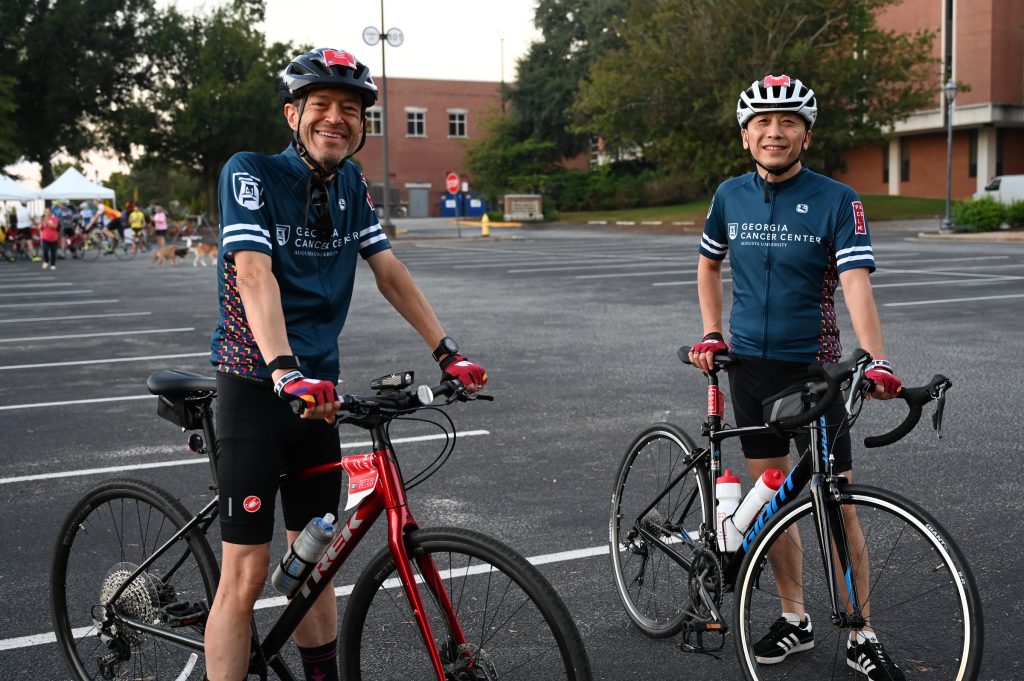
(845, 261)
(712, 246)
(853, 249)
(246, 228)
(369, 230)
(363, 243)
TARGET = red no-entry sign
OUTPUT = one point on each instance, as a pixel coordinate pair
(451, 183)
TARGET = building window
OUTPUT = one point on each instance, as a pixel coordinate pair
(972, 165)
(885, 164)
(457, 123)
(904, 160)
(415, 122)
(374, 122)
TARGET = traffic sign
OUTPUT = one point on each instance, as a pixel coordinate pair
(451, 183)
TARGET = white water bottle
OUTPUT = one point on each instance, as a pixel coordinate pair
(728, 493)
(763, 491)
(305, 552)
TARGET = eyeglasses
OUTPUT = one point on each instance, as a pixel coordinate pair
(319, 196)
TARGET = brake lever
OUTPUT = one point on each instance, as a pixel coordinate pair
(466, 397)
(940, 403)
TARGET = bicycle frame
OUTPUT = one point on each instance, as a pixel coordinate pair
(814, 469)
(386, 496)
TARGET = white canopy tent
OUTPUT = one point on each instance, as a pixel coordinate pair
(73, 185)
(12, 191)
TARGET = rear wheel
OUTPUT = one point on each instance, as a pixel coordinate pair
(918, 596)
(653, 588)
(515, 624)
(92, 247)
(109, 533)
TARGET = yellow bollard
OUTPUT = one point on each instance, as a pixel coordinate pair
(485, 225)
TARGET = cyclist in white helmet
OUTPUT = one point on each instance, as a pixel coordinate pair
(791, 236)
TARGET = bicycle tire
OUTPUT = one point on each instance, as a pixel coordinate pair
(924, 605)
(652, 587)
(518, 627)
(125, 250)
(109, 532)
(91, 248)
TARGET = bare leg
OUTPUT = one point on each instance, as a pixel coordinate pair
(786, 557)
(228, 633)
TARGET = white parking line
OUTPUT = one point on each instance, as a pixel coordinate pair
(953, 300)
(281, 601)
(26, 294)
(95, 335)
(63, 283)
(74, 316)
(103, 301)
(185, 462)
(109, 360)
(65, 403)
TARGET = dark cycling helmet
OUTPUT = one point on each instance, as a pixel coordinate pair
(324, 67)
(777, 93)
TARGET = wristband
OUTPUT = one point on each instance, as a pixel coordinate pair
(283, 362)
(285, 380)
(714, 335)
(882, 364)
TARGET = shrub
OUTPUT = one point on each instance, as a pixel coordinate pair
(983, 215)
(1015, 214)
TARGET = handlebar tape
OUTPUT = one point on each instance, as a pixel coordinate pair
(915, 398)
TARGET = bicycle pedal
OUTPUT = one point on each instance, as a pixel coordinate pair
(184, 613)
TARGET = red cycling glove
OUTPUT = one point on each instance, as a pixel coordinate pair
(311, 391)
(712, 342)
(467, 373)
(880, 372)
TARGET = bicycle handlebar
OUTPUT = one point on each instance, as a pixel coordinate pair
(915, 398)
(397, 402)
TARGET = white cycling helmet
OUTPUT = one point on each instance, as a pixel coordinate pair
(777, 93)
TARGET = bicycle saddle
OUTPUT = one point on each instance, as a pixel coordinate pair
(177, 383)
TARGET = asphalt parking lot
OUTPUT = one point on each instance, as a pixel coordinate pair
(578, 330)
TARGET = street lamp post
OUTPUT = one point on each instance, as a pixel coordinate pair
(949, 94)
(394, 37)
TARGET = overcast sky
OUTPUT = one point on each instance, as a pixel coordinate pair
(443, 39)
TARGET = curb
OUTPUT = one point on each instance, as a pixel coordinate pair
(1000, 236)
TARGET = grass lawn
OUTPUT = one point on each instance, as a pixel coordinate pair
(878, 207)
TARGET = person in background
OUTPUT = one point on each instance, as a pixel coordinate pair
(49, 234)
(24, 222)
(159, 226)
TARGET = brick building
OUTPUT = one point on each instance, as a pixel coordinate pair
(429, 124)
(981, 43)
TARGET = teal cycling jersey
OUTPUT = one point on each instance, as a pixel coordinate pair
(786, 255)
(264, 208)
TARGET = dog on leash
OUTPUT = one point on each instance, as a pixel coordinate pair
(170, 254)
(203, 252)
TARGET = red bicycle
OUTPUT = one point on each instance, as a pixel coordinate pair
(133, 574)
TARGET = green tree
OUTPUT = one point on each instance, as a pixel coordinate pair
(216, 93)
(156, 181)
(500, 164)
(691, 58)
(72, 62)
(575, 33)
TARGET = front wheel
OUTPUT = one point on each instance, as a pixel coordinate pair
(653, 588)
(515, 624)
(105, 538)
(916, 591)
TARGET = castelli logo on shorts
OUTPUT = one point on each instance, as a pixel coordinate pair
(252, 504)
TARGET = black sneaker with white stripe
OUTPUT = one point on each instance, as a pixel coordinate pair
(869, 658)
(782, 639)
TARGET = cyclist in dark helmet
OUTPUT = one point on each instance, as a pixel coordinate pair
(293, 228)
(791, 236)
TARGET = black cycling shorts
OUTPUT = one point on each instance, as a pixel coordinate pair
(259, 439)
(752, 380)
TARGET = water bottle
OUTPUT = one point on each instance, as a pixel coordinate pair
(728, 493)
(765, 488)
(306, 550)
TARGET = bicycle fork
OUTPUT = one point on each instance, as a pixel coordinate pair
(833, 540)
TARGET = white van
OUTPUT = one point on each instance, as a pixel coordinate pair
(1004, 188)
